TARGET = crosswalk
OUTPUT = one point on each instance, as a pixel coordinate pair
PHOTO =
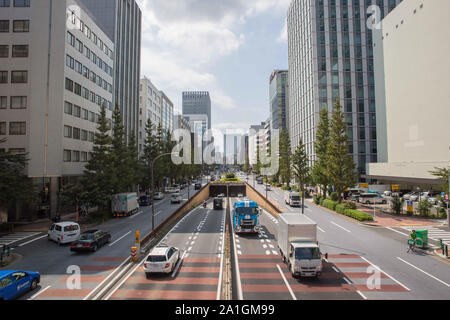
(434, 233)
(15, 237)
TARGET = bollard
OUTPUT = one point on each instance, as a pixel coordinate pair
(133, 254)
(446, 250)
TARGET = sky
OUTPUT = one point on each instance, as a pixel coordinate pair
(226, 47)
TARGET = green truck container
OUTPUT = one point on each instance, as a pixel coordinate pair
(422, 238)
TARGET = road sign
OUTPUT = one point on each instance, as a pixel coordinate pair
(363, 185)
(395, 187)
(409, 206)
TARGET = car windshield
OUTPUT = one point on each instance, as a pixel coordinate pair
(295, 198)
(87, 236)
(307, 253)
(156, 258)
(247, 210)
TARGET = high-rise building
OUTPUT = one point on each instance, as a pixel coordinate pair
(181, 122)
(278, 94)
(197, 103)
(331, 57)
(412, 91)
(122, 22)
(255, 141)
(56, 71)
(166, 113)
(150, 102)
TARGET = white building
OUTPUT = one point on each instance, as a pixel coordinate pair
(56, 70)
(412, 76)
(150, 106)
(255, 140)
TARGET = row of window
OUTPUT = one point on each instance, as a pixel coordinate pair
(88, 53)
(16, 76)
(17, 3)
(18, 25)
(83, 70)
(76, 156)
(15, 128)
(17, 102)
(18, 51)
(78, 112)
(87, 94)
(78, 134)
(91, 35)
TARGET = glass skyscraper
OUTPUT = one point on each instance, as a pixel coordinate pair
(278, 99)
(331, 57)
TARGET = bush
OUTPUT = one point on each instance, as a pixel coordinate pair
(424, 208)
(330, 204)
(334, 196)
(397, 205)
(316, 199)
(230, 175)
(321, 201)
(340, 208)
(358, 215)
(349, 205)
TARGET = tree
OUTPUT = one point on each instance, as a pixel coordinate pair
(99, 177)
(133, 161)
(258, 161)
(300, 166)
(285, 158)
(443, 175)
(319, 171)
(340, 165)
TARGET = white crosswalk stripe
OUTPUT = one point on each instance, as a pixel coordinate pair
(15, 237)
(433, 233)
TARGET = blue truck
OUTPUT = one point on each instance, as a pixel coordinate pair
(246, 217)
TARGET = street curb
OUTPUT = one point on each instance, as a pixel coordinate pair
(341, 215)
(16, 258)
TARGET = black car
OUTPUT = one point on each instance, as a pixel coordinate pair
(218, 203)
(145, 201)
(198, 186)
(91, 240)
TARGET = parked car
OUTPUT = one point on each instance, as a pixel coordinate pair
(176, 198)
(64, 232)
(145, 201)
(158, 196)
(371, 198)
(91, 240)
(14, 283)
(198, 186)
(414, 196)
(387, 194)
(162, 259)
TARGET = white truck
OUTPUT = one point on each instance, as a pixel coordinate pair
(297, 241)
(124, 204)
(293, 199)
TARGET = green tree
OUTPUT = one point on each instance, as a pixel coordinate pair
(150, 153)
(300, 166)
(340, 165)
(319, 170)
(133, 161)
(443, 175)
(257, 168)
(285, 158)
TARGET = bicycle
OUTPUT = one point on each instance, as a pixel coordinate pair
(412, 245)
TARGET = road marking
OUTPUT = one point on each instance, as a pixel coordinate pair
(219, 286)
(320, 229)
(21, 245)
(190, 248)
(236, 262)
(135, 215)
(159, 212)
(340, 226)
(268, 252)
(34, 296)
(359, 292)
(444, 283)
(392, 229)
(120, 238)
(346, 280)
(265, 246)
(178, 265)
(287, 284)
(376, 267)
(274, 252)
(334, 268)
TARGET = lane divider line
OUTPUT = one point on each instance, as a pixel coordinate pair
(379, 269)
(221, 254)
(287, 284)
(23, 244)
(111, 244)
(340, 227)
(34, 296)
(431, 276)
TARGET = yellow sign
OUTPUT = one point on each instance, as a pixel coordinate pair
(363, 185)
(137, 237)
(395, 187)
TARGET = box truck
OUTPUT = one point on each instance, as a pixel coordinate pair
(124, 204)
(297, 241)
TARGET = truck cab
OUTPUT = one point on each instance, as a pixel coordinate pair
(246, 217)
(293, 199)
(305, 259)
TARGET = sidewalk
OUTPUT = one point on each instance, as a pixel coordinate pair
(41, 225)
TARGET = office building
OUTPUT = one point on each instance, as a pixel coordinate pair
(255, 141)
(181, 122)
(278, 94)
(122, 22)
(166, 113)
(412, 92)
(197, 103)
(330, 53)
(56, 70)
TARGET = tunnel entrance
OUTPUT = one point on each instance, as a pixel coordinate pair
(233, 188)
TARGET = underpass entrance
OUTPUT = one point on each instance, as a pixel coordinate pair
(233, 189)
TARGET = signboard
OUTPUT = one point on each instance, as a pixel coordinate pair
(363, 185)
(395, 187)
(409, 206)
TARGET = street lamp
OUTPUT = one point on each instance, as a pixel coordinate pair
(153, 187)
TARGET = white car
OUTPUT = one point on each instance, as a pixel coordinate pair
(162, 259)
(158, 196)
(64, 232)
(176, 198)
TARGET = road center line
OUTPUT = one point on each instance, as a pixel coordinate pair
(444, 283)
(135, 215)
(287, 284)
(340, 227)
(120, 238)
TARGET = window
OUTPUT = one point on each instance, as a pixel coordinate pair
(85, 93)
(67, 156)
(76, 133)
(84, 157)
(68, 107)
(79, 46)
(4, 3)
(3, 76)
(2, 128)
(4, 25)
(77, 89)
(85, 72)
(20, 51)
(21, 3)
(19, 76)
(78, 67)
(84, 114)
(76, 111)
(21, 25)
(91, 136)
(67, 132)
(70, 62)
(3, 102)
(4, 51)
(84, 135)
(17, 128)
(19, 102)
(91, 116)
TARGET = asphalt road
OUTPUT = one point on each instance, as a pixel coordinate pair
(57, 264)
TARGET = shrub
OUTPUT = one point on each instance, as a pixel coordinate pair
(397, 205)
(317, 199)
(321, 201)
(334, 196)
(330, 204)
(230, 175)
(358, 215)
(340, 208)
(424, 208)
(349, 205)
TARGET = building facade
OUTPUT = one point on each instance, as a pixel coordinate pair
(122, 22)
(166, 113)
(150, 106)
(56, 71)
(255, 141)
(412, 102)
(181, 122)
(331, 57)
(197, 103)
(278, 97)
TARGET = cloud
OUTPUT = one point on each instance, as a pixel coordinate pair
(283, 35)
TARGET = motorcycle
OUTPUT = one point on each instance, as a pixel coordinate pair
(204, 204)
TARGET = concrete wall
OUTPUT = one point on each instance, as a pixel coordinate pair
(254, 195)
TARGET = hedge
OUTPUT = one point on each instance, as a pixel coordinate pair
(330, 204)
(340, 208)
(317, 199)
(358, 215)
